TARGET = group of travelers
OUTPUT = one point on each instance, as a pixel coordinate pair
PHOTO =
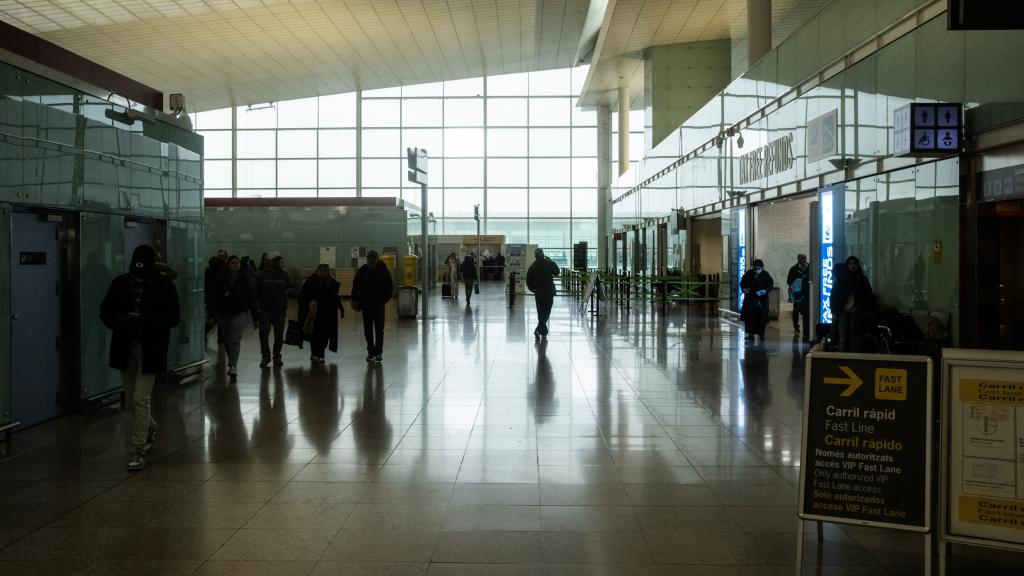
(454, 272)
(852, 301)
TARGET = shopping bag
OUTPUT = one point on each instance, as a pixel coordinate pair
(293, 336)
(476, 287)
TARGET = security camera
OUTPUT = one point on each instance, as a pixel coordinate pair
(739, 141)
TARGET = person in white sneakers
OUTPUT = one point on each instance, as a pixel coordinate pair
(140, 308)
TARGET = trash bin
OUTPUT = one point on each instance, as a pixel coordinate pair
(407, 300)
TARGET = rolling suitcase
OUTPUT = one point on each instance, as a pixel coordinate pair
(446, 290)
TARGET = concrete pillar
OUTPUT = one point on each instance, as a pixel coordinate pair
(759, 29)
(604, 184)
(623, 129)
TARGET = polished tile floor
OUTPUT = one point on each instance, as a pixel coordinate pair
(629, 444)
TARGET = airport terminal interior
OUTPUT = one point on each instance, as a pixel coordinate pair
(678, 287)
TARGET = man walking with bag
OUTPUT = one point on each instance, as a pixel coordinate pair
(273, 285)
(140, 308)
(540, 279)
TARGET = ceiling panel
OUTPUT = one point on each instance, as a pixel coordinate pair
(224, 52)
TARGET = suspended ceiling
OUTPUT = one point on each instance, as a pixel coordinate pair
(230, 52)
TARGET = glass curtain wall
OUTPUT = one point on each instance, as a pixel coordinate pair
(514, 144)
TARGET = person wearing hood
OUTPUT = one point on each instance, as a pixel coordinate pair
(756, 284)
(319, 310)
(852, 302)
(233, 300)
(273, 285)
(468, 271)
(140, 308)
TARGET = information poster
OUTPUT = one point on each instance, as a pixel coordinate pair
(986, 458)
(867, 440)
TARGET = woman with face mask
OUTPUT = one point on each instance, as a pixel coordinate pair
(756, 284)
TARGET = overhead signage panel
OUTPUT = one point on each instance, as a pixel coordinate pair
(927, 129)
(867, 440)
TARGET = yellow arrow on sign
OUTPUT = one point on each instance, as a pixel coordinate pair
(852, 381)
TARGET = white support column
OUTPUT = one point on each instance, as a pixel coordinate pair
(359, 147)
(234, 152)
(623, 129)
(604, 183)
(759, 30)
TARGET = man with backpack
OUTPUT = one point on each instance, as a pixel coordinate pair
(799, 294)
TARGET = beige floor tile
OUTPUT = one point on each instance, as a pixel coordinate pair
(389, 545)
(256, 568)
(326, 516)
(274, 544)
(488, 547)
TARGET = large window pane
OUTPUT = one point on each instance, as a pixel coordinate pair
(506, 172)
(584, 142)
(383, 173)
(296, 174)
(382, 143)
(296, 144)
(550, 82)
(257, 174)
(506, 202)
(551, 234)
(337, 173)
(508, 85)
(258, 193)
(514, 231)
(297, 193)
(216, 144)
(257, 144)
(467, 173)
(421, 112)
(550, 142)
(464, 112)
(506, 142)
(214, 119)
(585, 230)
(382, 193)
(338, 110)
(584, 171)
(579, 78)
(550, 172)
(337, 193)
(394, 91)
(297, 113)
(428, 138)
(463, 142)
(459, 202)
(581, 117)
(550, 111)
(506, 112)
(217, 173)
(432, 89)
(457, 226)
(467, 87)
(383, 113)
(550, 202)
(337, 143)
(584, 202)
(258, 116)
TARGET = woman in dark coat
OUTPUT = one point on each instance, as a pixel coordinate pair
(319, 310)
(233, 301)
(756, 284)
(852, 302)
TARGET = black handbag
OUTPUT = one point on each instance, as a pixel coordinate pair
(476, 287)
(293, 336)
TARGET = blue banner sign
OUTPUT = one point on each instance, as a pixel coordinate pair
(741, 253)
(825, 217)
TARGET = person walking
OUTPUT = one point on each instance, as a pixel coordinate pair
(452, 275)
(756, 284)
(273, 286)
(233, 300)
(140, 308)
(319, 311)
(799, 294)
(371, 290)
(468, 271)
(852, 302)
(540, 279)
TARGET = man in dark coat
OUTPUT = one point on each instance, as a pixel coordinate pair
(468, 271)
(540, 279)
(371, 289)
(756, 284)
(799, 294)
(140, 308)
(272, 287)
(319, 310)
